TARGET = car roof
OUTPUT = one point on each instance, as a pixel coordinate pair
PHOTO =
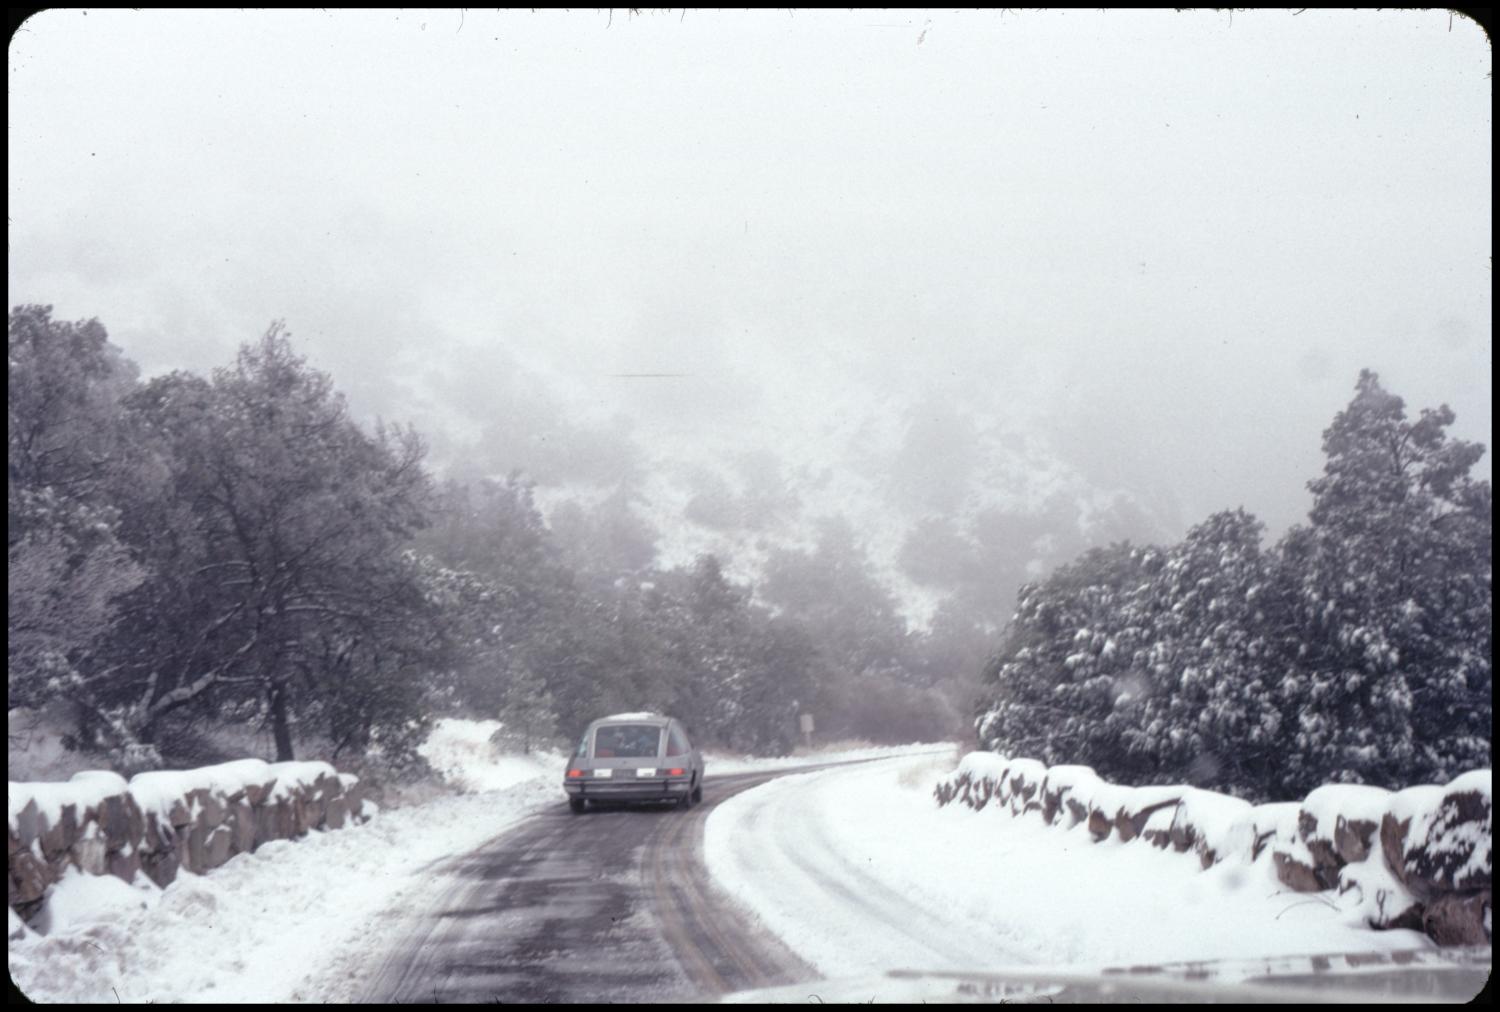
(632, 718)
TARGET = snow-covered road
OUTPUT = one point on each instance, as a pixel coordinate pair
(790, 851)
(781, 876)
(319, 918)
(608, 906)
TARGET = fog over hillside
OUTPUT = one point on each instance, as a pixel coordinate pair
(944, 503)
(987, 288)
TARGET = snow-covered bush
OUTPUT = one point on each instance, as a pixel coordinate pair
(1357, 650)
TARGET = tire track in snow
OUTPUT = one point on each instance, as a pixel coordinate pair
(782, 855)
(612, 905)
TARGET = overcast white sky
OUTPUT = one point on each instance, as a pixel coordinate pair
(1159, 246)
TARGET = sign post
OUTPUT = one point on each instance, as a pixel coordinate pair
(807, 729)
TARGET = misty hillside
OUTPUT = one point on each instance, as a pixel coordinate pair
(949, 506)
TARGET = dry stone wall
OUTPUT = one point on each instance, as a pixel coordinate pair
(1419, 858)
(159, 823)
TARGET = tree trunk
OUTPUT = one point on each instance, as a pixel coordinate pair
(279, 725)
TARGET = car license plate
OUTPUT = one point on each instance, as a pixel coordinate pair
(604, 773)
(645, 773)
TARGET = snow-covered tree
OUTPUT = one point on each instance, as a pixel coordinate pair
(1393, 586)
(278, 544)
(1218, 631)
(68, 454)
(869, 658)
(1359, 649)
(733, 674)
(528, 716)
(1067, 685)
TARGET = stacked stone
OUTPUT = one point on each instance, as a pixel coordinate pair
(99, 824)
(1423, 854)
(1433, 846)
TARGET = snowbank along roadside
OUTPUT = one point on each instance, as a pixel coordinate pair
(857, 871)
(97, 823)
(277, 921)
(1418, 858)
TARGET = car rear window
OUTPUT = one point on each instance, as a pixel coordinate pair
(627, 741)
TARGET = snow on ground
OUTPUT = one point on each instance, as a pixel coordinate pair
(290, 922)
(35, 750)
(294, 921)
(461, 752)
(727, 764)
(860, 872)
(855, 867)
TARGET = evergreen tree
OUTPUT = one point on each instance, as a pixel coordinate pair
(1217, 638)
(1393, 589)
(528, 716)
(1065, 685)
(1358, 650)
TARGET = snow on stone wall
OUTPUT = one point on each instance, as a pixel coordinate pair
(1418, 858)
(162, 821)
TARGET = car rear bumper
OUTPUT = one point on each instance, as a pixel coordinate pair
(633, 790)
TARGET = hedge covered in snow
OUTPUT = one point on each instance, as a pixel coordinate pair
(1418, 858)
(162, 821)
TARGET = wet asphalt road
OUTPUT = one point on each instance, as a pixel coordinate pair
(612, 905)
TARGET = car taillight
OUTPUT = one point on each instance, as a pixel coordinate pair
(575, 773)
(677, 772)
